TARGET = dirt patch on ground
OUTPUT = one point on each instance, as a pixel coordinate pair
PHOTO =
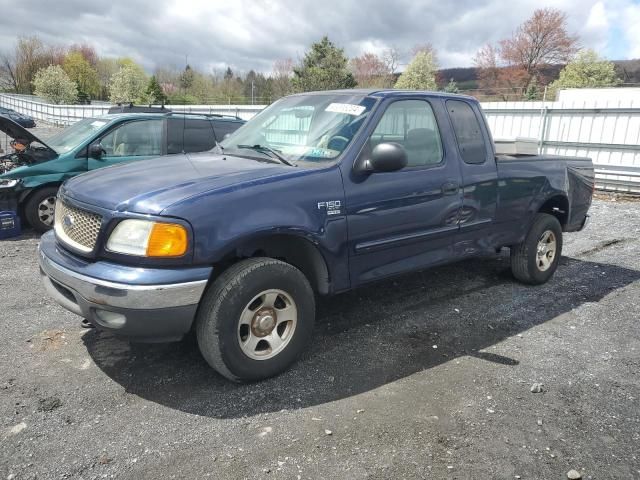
(49, 340)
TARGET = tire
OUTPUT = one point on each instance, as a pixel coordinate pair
(531, 261)
(39, 209)
(243, 324)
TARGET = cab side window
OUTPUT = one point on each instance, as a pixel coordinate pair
(412, 124)
(223, 128)
(175, 135)
(134, 139)
(198, 135)
(468, 132)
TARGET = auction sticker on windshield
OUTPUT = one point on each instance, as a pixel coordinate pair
(347, 108)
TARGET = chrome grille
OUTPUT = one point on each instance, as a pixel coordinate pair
(76, 227)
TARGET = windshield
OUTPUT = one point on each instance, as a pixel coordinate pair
(76, 134)
(306, 130)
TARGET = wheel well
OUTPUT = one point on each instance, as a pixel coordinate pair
(25, 197)
(297, 251)
(557, 206)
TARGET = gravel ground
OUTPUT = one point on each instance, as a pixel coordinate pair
(425, 376)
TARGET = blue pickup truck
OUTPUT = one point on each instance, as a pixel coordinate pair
(320, 193)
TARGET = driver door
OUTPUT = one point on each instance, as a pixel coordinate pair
(136, 140)
(403, 220)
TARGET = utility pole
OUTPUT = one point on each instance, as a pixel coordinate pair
(252, 97)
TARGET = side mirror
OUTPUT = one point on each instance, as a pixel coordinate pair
(385, 157)
(96, 151)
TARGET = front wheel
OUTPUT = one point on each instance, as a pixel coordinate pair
(255, 319)
(535, 259)
(39, 209)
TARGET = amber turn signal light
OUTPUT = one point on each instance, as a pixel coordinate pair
(167, 240)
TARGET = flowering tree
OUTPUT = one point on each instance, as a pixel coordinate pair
(420, 73)
(587, 70)
(128, 85)
(54, 85)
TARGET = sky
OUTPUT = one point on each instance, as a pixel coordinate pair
(252, 34)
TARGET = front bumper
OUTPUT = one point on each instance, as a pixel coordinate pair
(148, 304)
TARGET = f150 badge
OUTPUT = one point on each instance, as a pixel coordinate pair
(333, 207)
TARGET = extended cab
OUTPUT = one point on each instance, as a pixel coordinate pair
(30, 176)
(319, 193)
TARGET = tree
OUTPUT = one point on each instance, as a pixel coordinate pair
(281, 77)
(18, 69)
(541, 40)
(54, 85)
(587, 70)
(87, 51)
(486, 62)
(420, 74)
(154, 92)
(128, 85)
(532, 92)
(106, 68)
(391, 58)
(498, 79)
(324, 67)
(83, 74)
(369, 70)
(451, 87)
(186, 78)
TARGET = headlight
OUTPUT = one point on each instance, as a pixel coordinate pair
(9, 183)
(148, 239)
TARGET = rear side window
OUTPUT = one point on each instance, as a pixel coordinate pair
(198, 135)
(468, 132)
(223, 128)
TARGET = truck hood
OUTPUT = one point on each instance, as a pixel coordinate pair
(150, 186)
(18, 132)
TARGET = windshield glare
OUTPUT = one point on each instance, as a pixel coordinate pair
(310, 130)
(72, 136)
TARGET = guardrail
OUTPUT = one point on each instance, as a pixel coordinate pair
(607, 133)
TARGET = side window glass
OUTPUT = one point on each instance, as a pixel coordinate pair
(175, 135)
(198, 135)
(224, 127)
(412, 124)
(468, 132)
(134, 139)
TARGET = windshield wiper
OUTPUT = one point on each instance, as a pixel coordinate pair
(266, 149)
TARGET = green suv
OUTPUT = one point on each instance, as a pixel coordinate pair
(31, 175)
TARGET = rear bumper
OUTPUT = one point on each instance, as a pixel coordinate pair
(148, 306)
(579, 226)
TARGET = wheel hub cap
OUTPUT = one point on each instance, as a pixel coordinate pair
(46, 210)
(264, 322)
(546, 250)
(267, 324)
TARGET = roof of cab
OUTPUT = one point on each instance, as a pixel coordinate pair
(137, 115)
(389, 92)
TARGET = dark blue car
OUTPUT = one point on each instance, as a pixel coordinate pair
(24, 121)
(319, 193)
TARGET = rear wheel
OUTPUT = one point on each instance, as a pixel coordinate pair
(255, 319)
(535, 260)
(39, 209)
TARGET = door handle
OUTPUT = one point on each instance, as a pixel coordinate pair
(450, 188)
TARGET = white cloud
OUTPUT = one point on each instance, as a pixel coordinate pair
(250, 34)
(630, 26)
